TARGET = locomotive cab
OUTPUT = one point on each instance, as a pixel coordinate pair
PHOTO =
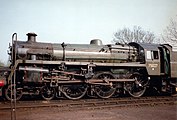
(149, 55)
(160, 60)
(161, 65)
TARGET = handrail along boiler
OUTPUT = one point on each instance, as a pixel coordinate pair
(74, 70)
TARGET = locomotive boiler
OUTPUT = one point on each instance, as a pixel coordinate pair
(76, 70)
(93, 52)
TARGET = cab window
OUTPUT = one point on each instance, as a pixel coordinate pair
(155, 55)
(148, 55)
(151, 55)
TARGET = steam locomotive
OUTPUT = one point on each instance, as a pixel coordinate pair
(96, 70)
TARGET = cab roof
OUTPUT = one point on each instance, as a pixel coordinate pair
(147, 46)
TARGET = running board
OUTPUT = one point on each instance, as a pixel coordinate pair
(93, 81)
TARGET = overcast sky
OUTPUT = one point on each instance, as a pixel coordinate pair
(79, 21)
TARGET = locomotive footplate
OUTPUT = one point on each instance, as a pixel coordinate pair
(94, 81)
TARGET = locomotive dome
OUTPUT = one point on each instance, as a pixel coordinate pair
(96, 42)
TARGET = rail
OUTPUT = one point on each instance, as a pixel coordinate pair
(94, 103)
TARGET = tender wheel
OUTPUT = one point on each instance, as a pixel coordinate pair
(137, 88)
(105, 91)
(74, 91)
(47, 92)
(8, 92)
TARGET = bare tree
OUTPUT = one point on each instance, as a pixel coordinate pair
(170, 33)
(126, 35)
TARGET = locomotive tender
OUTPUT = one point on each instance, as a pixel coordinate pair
(74, 70)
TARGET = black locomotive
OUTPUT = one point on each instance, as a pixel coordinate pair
(76, 70)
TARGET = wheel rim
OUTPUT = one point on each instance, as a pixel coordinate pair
(8, 93)
(47, 93)
(74, 91)
(104, 91)
(137, 88)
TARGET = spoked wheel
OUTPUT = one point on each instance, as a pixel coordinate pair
(138, 87)
(105, 91)
(11, 88)
(74, 91)
(47, 92)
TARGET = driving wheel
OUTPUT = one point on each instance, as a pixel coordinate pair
(74, 91)
(105, 91)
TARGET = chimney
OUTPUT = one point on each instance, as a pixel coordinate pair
(31, 37)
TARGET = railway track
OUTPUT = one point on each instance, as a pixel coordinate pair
(92, 103)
